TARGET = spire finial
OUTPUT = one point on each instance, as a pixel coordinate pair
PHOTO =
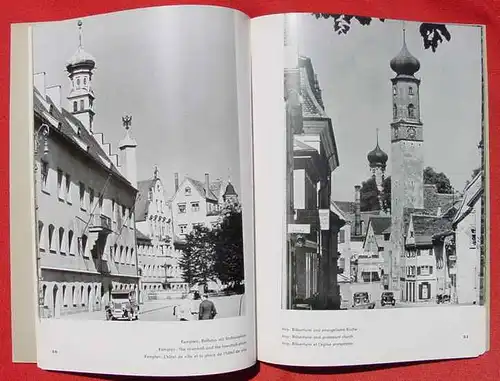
(229, 175)
(155, 171)
(403, 23)
(377, 136)
(80, 33)
(127, 122)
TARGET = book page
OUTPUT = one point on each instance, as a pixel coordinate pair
(143, 185)
(370, 190)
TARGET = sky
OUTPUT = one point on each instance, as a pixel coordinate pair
(173, 70)
(354, 74)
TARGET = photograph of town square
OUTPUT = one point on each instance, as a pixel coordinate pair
(137, 167)
(385, 164)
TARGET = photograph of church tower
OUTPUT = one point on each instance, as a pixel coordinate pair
(404, 222)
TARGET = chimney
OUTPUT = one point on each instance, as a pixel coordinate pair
(54, 93)
(176, 181)
(207, 184)
(357, 212)
(39, 83)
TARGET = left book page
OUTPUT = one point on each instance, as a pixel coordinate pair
(141, 201)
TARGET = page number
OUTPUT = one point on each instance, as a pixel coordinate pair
(465, 337)
(54, 351)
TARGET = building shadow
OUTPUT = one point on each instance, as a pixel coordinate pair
(240, 375)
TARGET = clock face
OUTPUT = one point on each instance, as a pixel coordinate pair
(411, 133)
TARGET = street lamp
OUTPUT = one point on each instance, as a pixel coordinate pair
(42, 134)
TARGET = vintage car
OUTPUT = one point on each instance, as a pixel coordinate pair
(361, 300)
(122, 305)
(387, 298)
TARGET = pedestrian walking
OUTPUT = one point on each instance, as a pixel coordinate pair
(207, 309)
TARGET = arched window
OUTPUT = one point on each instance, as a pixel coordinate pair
(73, 296)
(64, 297)
(78, 83)
(411, 111)
(82, 104)
(410, 90)
(83, 246)
(82, 296)
(115, 253)
(41, 236)
(132, 258)
(75, 106)
(52, 241)
(62, 243)
(84, 80)
(395, 110)
(71, 247)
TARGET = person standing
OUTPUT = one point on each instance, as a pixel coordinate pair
(207, 309)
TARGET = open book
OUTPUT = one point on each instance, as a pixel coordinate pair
(194, 191)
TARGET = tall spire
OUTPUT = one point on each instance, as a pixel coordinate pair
(403, 25)
(377, 137)
(405, 63)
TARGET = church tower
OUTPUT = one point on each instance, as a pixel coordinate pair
(407, 156)
(81, 97)
(378, 163)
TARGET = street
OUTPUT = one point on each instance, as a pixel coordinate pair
(162, 310)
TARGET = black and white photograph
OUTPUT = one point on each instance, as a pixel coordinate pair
(385, 203)
(137, 167)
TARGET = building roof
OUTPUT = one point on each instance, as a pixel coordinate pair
(213, 191)
(405, 63)
(380, 224)
(142, 202)
(472, 193)
(425, 227)
(71, 128)
(434, 201)
(312, 101)
(140, 236)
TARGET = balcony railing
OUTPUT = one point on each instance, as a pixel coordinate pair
(100, 223)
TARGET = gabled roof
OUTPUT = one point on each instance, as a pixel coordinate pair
(472, 193)
(213, 191)
(71, 128)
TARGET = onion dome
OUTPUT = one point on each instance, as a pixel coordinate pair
(377, 157)
(81, 58)
(405, 63)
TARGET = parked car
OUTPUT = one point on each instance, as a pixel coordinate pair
(443, 298)
(361, 300)
(122, 305)
(387, 298)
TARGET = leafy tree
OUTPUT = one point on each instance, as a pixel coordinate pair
(197, 260)
(441, 181)
(216, 253)
(369, 195)
(432, 34)
(228, 246)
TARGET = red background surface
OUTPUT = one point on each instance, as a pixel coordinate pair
(485, 12)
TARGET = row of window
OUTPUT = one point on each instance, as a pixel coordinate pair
(160, 271)
(65, 243)
(72, 296)
(395, 90)
(183, 228)
(419, 270)
(182, 207)
(410, 111)
(89, 200)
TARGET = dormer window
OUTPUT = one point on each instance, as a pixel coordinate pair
(187, 191)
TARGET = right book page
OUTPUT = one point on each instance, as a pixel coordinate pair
(371, 196)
